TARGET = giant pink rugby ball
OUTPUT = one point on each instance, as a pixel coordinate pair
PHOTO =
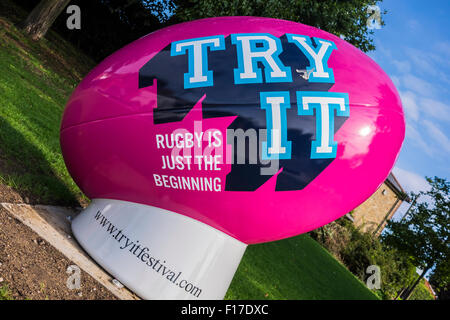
(131, 125)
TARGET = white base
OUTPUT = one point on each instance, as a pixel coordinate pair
(156, 253)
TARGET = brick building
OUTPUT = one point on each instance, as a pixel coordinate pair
(372, 215)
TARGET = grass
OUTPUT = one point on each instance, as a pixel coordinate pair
(36, 80)
(294, 268)
(4, 293)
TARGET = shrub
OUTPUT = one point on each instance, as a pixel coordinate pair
(421, 292)
(358, 250)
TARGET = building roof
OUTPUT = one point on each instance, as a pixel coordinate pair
(430, 288)
(393, 183)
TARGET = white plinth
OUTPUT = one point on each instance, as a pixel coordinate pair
(156, 253)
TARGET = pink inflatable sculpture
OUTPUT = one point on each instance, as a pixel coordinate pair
(203, 137)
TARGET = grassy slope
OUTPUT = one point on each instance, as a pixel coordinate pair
(294, 268)
(36, 80)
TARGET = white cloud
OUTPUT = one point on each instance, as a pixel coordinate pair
(396, 81)
(422, 77)
(417, 107)
(402, 66)
(441, 54)
(439, 137)
(429, 64)
(421, 62)
(410, 181)
(429, 138)
(435, 109)
(383, 50)
(418, 85)
(410, 105)
(420, 68)
(415, 137)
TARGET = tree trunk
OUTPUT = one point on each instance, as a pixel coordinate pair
(42, 17)
(406, 294)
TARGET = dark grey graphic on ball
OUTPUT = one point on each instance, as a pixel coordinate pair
(225, 98)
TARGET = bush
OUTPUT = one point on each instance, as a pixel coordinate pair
(421, 292)
(358, 250)
(333, 236)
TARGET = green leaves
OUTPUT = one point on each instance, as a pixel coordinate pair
(424, 232)
(343, 18)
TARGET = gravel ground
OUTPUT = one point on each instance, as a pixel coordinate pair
(33, 269)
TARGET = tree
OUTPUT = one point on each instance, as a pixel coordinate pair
(343, 18)
(440, 280)
(42, 17)
(108, 25)
(424, 233)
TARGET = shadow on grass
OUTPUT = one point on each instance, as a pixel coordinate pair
(24, 168)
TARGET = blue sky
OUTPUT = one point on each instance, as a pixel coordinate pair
(414, 50)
